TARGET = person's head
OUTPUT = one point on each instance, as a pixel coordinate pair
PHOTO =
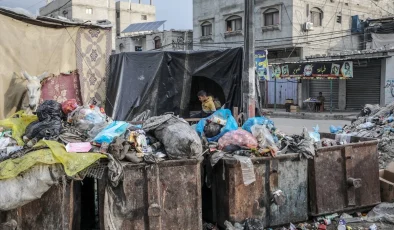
(347, 65)
(320, 94)
(202, 95)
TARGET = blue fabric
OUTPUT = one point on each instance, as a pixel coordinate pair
(224, 114)
(257, 121)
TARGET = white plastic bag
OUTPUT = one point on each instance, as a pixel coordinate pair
(29, 186)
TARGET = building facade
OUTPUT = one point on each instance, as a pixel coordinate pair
(172, 40)
(120, 14)
(289, 29)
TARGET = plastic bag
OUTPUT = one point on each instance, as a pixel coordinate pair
(334, 129)
(49, 110)
(247, 168)
(257, 121)
(238, 137)
(212, 129)
(69, 106)
(18, 123)
(85, 118)
(223, 114)
(115, 129)
(315, 135)
(264, 138)
(179, 139)
(21, 190)
(383, 212)
(366, 125)
(48, 129)
(72, 162)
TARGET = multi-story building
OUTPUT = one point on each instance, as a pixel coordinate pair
(289, 29)
(170, 40)
(121, 14)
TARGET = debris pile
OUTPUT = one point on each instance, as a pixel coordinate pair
(375, 122)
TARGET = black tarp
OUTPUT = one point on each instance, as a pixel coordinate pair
(161, 81)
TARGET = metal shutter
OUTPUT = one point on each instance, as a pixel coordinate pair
(364, 88)
(323, 85)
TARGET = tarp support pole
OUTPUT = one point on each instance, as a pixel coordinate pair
(330, 96)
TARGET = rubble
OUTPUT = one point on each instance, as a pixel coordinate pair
(376, 122)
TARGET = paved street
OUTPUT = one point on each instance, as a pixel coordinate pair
(294, 126)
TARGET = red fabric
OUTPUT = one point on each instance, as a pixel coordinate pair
(62, 88)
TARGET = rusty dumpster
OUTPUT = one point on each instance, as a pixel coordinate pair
(160, 196)
(58, 208)
(345, 177)
(235, 202)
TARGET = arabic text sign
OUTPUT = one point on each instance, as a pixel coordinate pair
(316, 70)
(261, 60)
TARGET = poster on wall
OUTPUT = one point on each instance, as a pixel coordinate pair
(315, 70)
(261, 60)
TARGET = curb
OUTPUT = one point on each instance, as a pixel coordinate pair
(312, 116)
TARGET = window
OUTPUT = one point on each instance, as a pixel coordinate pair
(316, 17)
(234, 23)
(339, 19)
(157, 42)
(144, 17)
(206, 29)
(89, 11)
(271, 17)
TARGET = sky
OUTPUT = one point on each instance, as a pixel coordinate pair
(178, 13)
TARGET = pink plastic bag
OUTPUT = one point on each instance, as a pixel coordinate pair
(238, 137)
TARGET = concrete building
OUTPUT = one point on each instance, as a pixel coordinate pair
(289, 29)
(120, 13)
(171, 40)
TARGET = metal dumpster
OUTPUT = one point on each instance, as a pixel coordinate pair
(336, 174)
(58, 208)
(161, 196)
(233, 201)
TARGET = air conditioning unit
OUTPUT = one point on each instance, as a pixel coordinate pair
(308, 26)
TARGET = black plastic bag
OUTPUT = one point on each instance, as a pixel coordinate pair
(212, 129)
(49, 110)
(44, 129)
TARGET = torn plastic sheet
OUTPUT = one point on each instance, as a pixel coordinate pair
(29, 186)
(247, 168)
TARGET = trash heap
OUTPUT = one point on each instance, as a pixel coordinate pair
(258, 137)
(374, 122)
(71, 139)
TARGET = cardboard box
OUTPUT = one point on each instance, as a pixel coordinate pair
(386, 177)
(294, 109)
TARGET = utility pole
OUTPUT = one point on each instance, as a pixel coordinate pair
(248, 75)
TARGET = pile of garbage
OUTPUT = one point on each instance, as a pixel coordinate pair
(71, 139)
(258, 137)
(374, 122)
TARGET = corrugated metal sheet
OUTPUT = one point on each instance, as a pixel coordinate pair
(364, 88)
(285, 89)
(323, 85)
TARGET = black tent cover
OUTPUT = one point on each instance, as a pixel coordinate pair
(161, 81)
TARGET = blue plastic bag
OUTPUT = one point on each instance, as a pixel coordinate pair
(225, 114)
(334, 129)
(108, 134)
(315, 135)
(257, 121)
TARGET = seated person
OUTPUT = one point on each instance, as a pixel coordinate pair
(320, 102)
(207, 105)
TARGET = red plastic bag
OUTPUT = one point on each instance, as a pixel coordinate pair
(238, 137)
(69, 106)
